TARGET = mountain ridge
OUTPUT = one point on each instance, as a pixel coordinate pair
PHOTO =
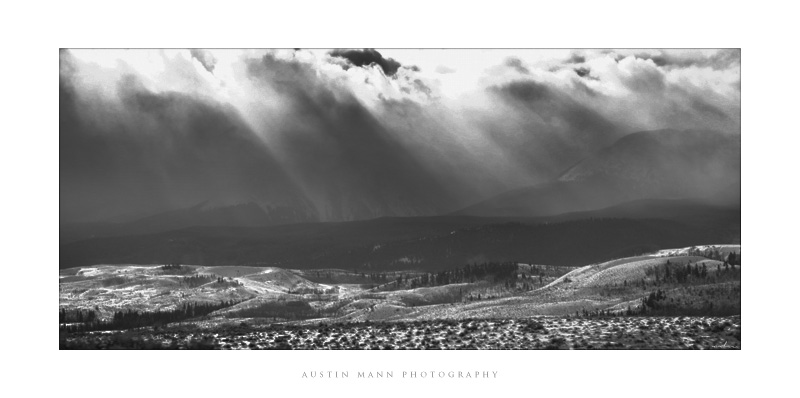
(666, 164)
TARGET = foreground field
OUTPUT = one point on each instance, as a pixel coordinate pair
(675, 298)
(525, 334)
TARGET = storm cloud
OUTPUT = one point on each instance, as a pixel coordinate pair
(162, 151)
(367, 57)
(205, 58)
(353, 134)
(719, 60)
(517, 65)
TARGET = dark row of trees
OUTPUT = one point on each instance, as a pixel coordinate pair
(470, 273)
(678, 273)
(657, 304)
(175, 269)
(87, 320)
(308, 290)
(527, 281)
(596, 313)
(76, 315)
(170, 267)
(287, 310)
(555, 271)
(197, 280)
(715, 253)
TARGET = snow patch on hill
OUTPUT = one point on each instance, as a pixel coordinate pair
(698, 250)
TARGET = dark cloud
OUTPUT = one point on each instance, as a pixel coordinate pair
(551, 104)
(126, 150)
(583, 72)
(527, 91)
(708, 109)
(576, 58)
(517, 65)
(726, 58)
(582, 88)
(457, 167)
(556, 128)
(343, 153)
(367, 57)
(683, 108)
(205, 58)
(415, 85)
(646, 79)
(160, 152)
(722, 59)
(422, 87)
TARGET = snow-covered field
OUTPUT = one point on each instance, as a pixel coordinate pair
(609, 286)
(532, 333)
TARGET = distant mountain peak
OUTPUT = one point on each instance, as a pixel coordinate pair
(664, 163)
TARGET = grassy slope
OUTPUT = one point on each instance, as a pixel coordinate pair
(592, 287)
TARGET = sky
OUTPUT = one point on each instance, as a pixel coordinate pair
(344, 134)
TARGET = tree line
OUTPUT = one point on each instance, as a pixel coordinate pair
(470, 273)
(87, 320)
(202, 279)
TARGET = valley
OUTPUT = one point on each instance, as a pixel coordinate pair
(669, 298)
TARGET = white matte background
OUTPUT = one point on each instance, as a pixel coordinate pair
(33, 32)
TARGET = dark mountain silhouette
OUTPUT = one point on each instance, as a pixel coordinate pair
(695, 212)
(428, 243)
(647, 191)
(656, 164)
(653, 164)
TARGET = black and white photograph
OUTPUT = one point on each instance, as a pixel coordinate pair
(471, 199)
(400, 199)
